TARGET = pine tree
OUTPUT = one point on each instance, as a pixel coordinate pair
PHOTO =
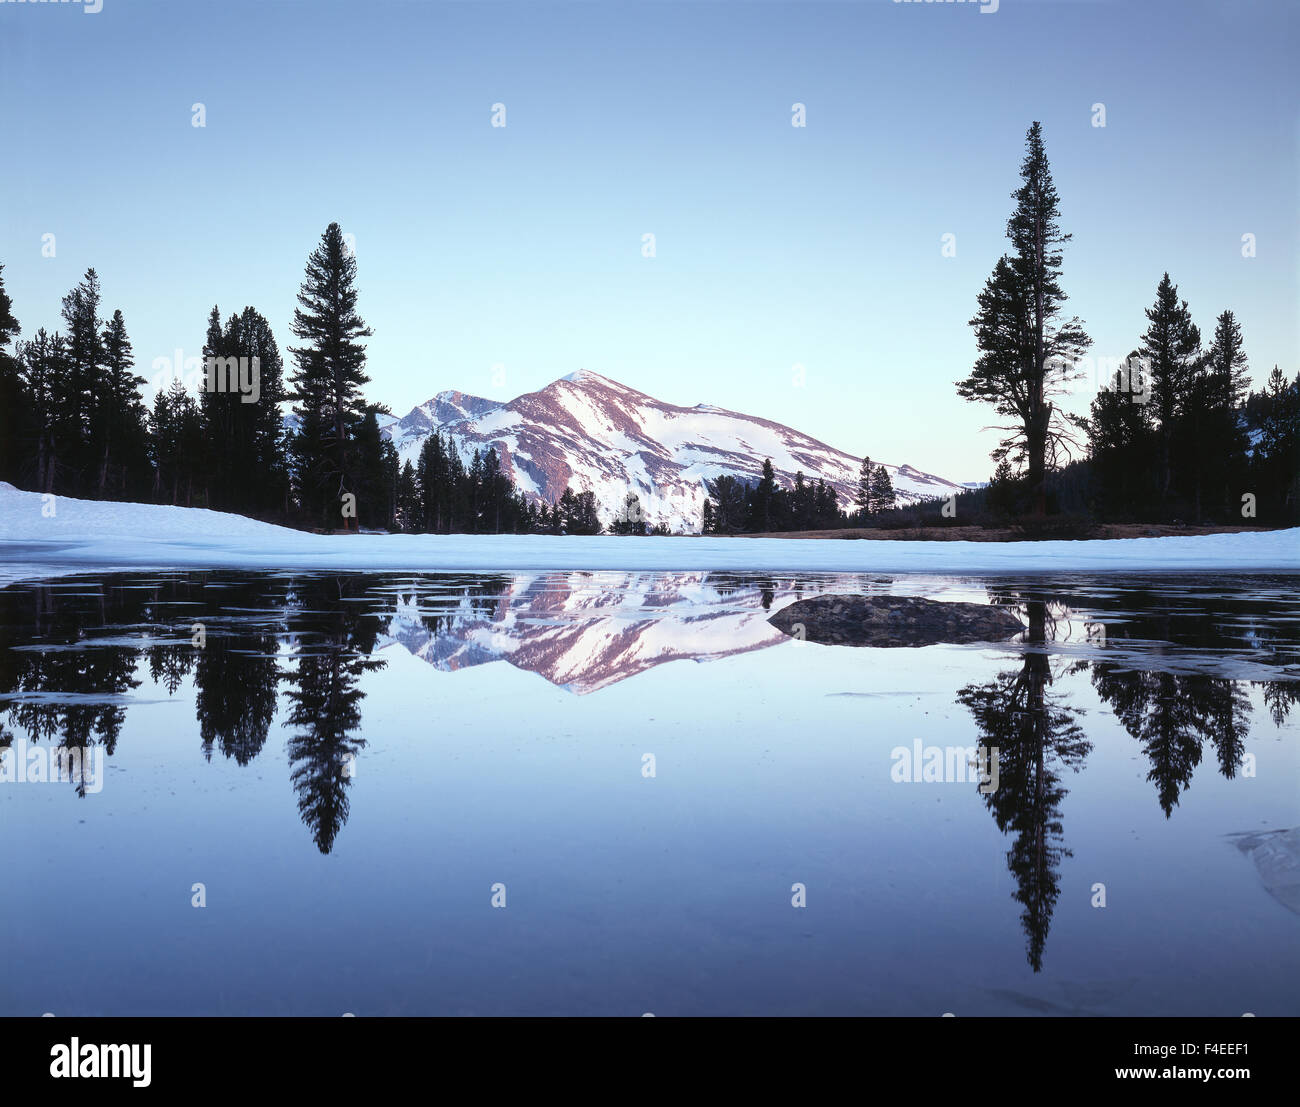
(43, 368)
(161, 447)
(1276, 463)
(498, 494)
(474, 492)
(863, 496)
(728, 496)
(409, 509)
(217, 409)
(122, 418)
(375, 480)
(827, 510)
(1218, 449)
(802, 509)
(1026, 354)
(330, 375)
(763, 500)
(177, 437)
(1227, 360)
(14, 416)
(267, 478)
(459, 514)
(1121, 446)
(586, 514)
(882, 490)
(246, 467)
(1001, 493)
(1172, 344)
(432, 476)
(630, 517)
(76, 425)
(567, 509)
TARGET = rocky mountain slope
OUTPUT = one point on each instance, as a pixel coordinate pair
(592, 433)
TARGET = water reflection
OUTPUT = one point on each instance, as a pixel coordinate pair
(1173, 662)
(334, 641)
(1035, 735)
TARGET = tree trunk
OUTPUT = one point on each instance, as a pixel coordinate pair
(1164, 466)
(1038, 444)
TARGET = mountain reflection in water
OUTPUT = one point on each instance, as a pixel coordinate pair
(1173, 660)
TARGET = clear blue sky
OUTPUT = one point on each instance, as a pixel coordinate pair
(776, 246)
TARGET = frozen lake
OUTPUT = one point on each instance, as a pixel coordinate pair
(603, 793)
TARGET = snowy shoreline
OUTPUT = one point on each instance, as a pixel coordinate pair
(86, 534)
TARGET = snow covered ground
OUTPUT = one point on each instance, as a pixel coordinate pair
(39, 538)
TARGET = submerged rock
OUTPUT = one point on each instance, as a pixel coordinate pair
(893, 621)
(1276, 855)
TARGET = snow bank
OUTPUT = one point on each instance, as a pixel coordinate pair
(93, 533)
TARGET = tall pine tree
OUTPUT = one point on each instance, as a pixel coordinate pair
(1218, 451)
(80, 389)
(330, 375)
(1027, 352)
(1172, 344)
(122, 420)
(882, 490)
(863, 496)
(764, 499)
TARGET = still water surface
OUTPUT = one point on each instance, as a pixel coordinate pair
(349, 770)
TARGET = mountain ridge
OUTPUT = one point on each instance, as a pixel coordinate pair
(590, 432)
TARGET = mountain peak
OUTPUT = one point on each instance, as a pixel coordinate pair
(585, 376)
(587, 432)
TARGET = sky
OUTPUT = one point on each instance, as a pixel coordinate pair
(799, 273)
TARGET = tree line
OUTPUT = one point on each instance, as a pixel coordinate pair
(73, 422)
(443, 495)
(1174, 433)
(734, 505)
(1202, 447)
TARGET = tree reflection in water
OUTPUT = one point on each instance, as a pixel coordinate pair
(79, 649)
(1036, 737)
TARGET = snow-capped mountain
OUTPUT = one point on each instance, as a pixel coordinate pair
(592, 433)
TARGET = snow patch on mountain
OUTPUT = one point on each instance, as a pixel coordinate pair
(592, 433)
